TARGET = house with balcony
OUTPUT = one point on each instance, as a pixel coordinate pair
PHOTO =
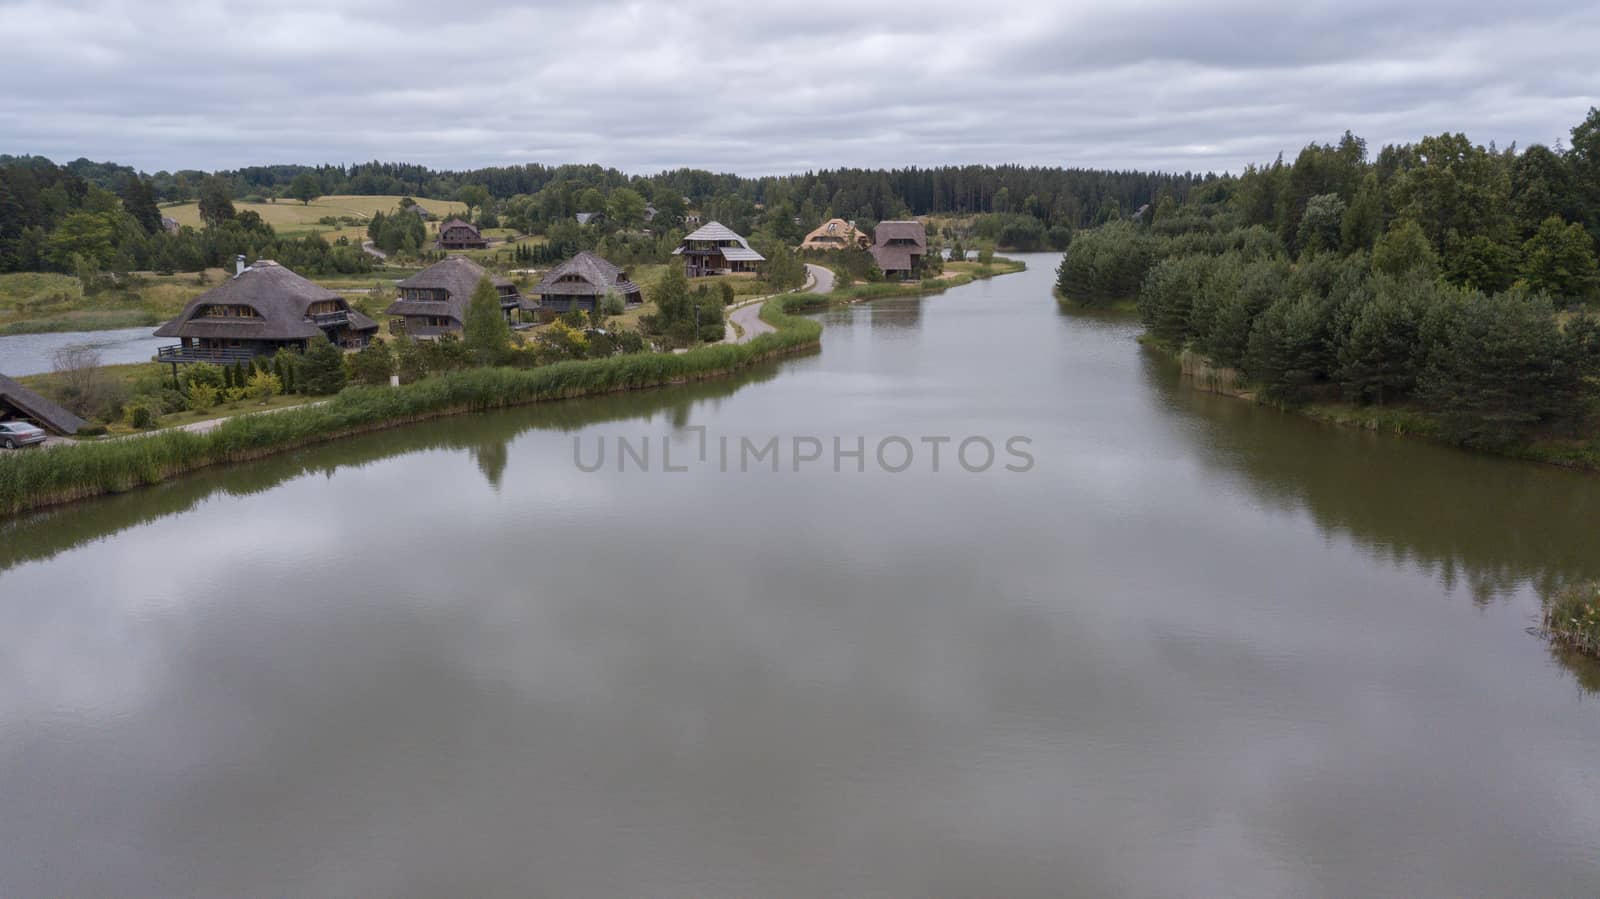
(713, 249)
(899, 249)
(262, 309)
(434, 301)
(460, 235)
(582, 281)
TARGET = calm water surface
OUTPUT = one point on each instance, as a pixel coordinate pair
(1200, 649)
(29, 354)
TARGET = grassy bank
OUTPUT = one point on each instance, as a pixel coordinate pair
(956, 274)
(1579, 452)
(31, 480)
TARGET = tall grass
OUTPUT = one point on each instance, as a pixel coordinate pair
(32, 479)
(1573, 618)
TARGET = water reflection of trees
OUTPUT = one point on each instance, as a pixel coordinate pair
(1489, 525)
(486, 437)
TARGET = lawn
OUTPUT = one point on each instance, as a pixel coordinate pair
(291, 217)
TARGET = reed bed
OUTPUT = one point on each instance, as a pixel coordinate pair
(33, 479)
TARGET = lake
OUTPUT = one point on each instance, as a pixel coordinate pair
(1194, 647)
(30, 354)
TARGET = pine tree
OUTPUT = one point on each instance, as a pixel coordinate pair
(322, 370)
(486, 333)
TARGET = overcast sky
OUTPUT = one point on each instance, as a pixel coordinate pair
(169, 84)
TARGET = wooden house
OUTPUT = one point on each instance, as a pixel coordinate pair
(581, 282)
(260, 310)
(899, 249)
(713, 249)
(460, 235)
(836, 234)
(434, 301)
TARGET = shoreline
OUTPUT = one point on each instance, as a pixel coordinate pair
(1394, 421)
(59, 475)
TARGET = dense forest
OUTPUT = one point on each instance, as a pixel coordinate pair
(102, 216)
(1443, 277)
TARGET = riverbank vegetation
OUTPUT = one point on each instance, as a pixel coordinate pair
(33, 479)
(1444, 288)
(1572, 618)
(954, 274)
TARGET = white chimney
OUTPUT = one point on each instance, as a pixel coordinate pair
(238, 265)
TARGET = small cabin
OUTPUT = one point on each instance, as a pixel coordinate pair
(457, 234)
(434, 301)
(581, 282)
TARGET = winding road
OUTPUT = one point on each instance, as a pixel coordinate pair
(748, 316)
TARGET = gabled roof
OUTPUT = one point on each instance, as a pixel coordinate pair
(585, 218)
(718, 233)
(49, 415)
(458, 223)
(596, 274)
(914, 231)
(458, 276)
(280, 298)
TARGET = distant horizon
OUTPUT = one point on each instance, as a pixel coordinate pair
(1147, 86)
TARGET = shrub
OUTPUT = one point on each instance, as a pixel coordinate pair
(202, 397)
(141, 415)
(263, 386)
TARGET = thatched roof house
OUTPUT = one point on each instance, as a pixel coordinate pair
(836, 234)
(169, 224)
(713, 249)
(17, 401)
(434, 301)
(260, 310)
(590, 218)
(581, 281)
(460, 235)
(900, 248)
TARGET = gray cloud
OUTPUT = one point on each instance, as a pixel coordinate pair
(1150, 85)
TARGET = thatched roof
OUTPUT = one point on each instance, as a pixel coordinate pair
(458, 223)
(596, 276)
(49, 415)
(915, 232)
(458, 276)
(280, 298)
(897, 243)
(834, 233)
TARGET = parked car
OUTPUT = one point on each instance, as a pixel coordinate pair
(14, 434)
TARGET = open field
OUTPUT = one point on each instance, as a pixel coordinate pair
(290, 217)
(36, 302)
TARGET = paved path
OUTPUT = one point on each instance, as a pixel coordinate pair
(372, 249)
(748, 313)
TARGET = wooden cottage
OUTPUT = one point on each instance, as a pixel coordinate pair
(836, 234)
(18, 402)
(713, 249)
(460, 235)
(900, 248)
(434, 301)
(262, 309)
(580, 283)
